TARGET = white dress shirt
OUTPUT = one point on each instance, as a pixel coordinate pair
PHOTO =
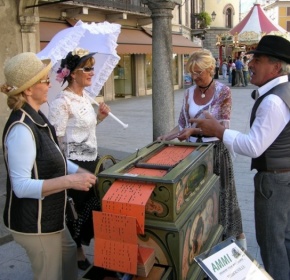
(21, 149)
(271, 118)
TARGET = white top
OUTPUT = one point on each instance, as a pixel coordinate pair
(193, 110)
(21, 149)
(271, 118)
(74, 119)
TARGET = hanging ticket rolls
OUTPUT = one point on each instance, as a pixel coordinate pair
(177, 195)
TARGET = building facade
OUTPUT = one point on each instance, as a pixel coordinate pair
(33, 23)
(279, 12)
(227, 14)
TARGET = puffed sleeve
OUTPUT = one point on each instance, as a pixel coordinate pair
(58, 115)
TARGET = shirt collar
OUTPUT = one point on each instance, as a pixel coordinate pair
(279, 80)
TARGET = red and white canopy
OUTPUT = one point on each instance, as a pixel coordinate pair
(256, 21)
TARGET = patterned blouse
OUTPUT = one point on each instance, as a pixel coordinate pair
(219, 106)
(74, 119)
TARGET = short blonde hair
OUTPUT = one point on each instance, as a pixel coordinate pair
(203, 59)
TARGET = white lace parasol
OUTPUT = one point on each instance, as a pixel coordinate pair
(94, 37)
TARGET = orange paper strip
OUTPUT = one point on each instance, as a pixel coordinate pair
(128, 198)
(115, 242)
(147, 172)
(171, 155)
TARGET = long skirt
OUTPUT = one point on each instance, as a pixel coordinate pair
(81, 229)
(230, 213)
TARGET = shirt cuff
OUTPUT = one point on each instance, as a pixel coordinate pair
(229, 137)
(71, 167)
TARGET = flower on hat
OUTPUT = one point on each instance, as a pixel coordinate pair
(6, 88)
(62, 73)
(80, 52)
(70, 62)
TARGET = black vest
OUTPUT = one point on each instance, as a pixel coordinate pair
(29, 215)
(277, 156)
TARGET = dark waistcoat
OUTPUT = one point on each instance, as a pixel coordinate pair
(277, 156)
(29, 215)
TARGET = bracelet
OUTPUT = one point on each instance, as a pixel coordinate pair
(98, 121)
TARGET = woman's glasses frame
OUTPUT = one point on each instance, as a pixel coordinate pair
(197, 74)
(86, 69)
(45, 81)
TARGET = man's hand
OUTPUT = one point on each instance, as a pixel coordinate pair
(209, 126)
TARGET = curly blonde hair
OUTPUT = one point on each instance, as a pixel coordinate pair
(203, 59)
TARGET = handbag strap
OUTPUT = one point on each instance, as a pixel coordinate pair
(101, 161)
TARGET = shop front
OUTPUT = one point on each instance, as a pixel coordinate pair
(133, 74)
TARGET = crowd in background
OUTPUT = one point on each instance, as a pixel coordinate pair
(235, 70)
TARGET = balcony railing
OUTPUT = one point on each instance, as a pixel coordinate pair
(135, 6)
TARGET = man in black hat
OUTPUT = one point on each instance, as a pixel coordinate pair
(268, 144)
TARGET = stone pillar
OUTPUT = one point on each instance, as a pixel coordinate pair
(29, 26)
(162, 86)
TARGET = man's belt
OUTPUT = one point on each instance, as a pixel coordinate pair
(276, 171)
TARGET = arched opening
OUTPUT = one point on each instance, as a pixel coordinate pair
(229, 18)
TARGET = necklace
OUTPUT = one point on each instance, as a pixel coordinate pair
(205, 89)
(73, 91)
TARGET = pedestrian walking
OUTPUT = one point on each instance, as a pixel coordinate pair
(239, 73)
(230, 69)
(245, 70)
(234, 73)
(224, 69)
(217, 68)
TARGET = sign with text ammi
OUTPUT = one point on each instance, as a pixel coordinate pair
(228, 261)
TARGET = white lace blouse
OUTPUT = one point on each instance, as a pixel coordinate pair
(74, 119)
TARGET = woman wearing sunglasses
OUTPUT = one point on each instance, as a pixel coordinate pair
(75, 121)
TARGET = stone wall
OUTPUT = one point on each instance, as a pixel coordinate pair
(11, 44)
(211, 39)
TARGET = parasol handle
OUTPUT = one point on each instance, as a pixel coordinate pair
(110, 114)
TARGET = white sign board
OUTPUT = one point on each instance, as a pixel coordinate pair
(227, 261)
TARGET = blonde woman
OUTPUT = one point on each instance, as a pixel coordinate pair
(211, 95)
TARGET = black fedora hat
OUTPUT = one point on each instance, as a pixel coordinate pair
(275, 46)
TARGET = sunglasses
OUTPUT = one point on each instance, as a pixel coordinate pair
(86, 69)
(46, 81)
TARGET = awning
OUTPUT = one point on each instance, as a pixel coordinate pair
(134, 41)
(181, 45)
(130, 41)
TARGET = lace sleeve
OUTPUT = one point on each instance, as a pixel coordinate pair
(58, 115)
